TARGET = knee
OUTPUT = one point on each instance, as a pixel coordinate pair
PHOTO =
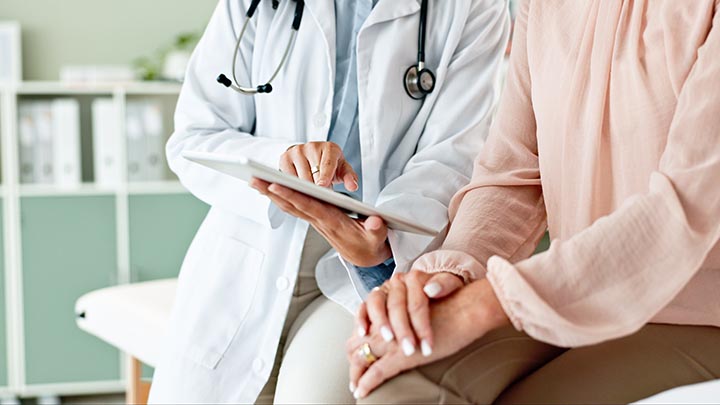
(411, 388)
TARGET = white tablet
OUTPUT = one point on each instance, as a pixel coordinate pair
(245, 169)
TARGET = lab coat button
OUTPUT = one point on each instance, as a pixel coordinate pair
(319, 120)
(282, 283)
(258, 365)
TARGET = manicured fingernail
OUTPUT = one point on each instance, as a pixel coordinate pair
(407, 347)
(425, 348)
(357, 394)
(352, 386)
(387, 334)
(361, 331)
(356, 184)
(432, 290)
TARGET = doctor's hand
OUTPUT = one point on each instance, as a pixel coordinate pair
(361, 242)
(322, 163)
(400, 308)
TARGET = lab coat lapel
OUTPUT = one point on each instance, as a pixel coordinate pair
(384, 11)
(387, 10)
(323, 15)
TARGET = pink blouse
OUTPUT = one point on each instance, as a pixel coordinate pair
(608, 135)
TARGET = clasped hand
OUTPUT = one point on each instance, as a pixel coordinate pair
(433, 309)
(395, 325)
(361, 242)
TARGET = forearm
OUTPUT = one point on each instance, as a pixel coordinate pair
(484, 310)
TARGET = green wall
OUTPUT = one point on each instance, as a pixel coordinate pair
(62, 32)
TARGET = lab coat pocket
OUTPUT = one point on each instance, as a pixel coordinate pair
(226, 281)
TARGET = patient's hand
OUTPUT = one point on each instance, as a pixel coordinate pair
(401, 308)
(456, 322)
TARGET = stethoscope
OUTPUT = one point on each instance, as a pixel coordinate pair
(419, 81)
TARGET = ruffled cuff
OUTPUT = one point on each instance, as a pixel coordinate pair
(498, 269)
(451, 261)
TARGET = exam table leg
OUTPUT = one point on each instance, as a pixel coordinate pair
(137, 389)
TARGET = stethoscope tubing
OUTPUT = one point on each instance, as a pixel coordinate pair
(413, 79)
(286, 53)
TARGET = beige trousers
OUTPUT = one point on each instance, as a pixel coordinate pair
(310, 365)
(508, 367)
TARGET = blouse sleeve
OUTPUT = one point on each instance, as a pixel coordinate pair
(612, 278)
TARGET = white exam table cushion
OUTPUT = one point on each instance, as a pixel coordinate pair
(702, 393)
(131, 317)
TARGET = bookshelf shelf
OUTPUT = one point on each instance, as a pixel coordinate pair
(43, 190)
(158, 187)
(87, 235)
(60, 89)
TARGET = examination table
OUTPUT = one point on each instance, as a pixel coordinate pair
(133, 318)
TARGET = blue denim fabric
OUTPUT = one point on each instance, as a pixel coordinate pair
(375, 276)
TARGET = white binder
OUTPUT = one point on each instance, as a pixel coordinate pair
(154, 141)
(43, 149)
(135, 134)
(66, 142)
(106, 138)
(26, 126)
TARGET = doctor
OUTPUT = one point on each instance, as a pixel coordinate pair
(391, 98)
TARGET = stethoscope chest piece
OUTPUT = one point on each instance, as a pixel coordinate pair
(419, 82)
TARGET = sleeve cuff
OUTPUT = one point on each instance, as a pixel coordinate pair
(451, 261)
(496, 268)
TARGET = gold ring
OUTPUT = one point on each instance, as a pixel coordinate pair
(383, 288)
(315, 170)
(365, 353)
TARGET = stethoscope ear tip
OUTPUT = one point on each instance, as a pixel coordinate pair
(265, 88)
(222, 79)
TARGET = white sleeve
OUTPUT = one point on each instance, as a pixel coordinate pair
(212, 118)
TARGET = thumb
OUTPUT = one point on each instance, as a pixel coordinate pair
(346, 175)
(376, 227)
(442, 284)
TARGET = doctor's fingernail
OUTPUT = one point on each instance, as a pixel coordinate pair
(352, 386)
(387, 334)
(361, 331)
(425, 348)
(358, 394)
(432, 290)
(407, 347)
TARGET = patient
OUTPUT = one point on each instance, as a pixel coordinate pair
(608, 135)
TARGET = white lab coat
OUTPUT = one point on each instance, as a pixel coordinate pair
(237, 279)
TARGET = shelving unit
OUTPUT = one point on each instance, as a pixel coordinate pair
(61, 242)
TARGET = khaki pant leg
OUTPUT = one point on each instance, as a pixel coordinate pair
(305, 292)
(477, 374)
(314, 369)
(655, 359)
